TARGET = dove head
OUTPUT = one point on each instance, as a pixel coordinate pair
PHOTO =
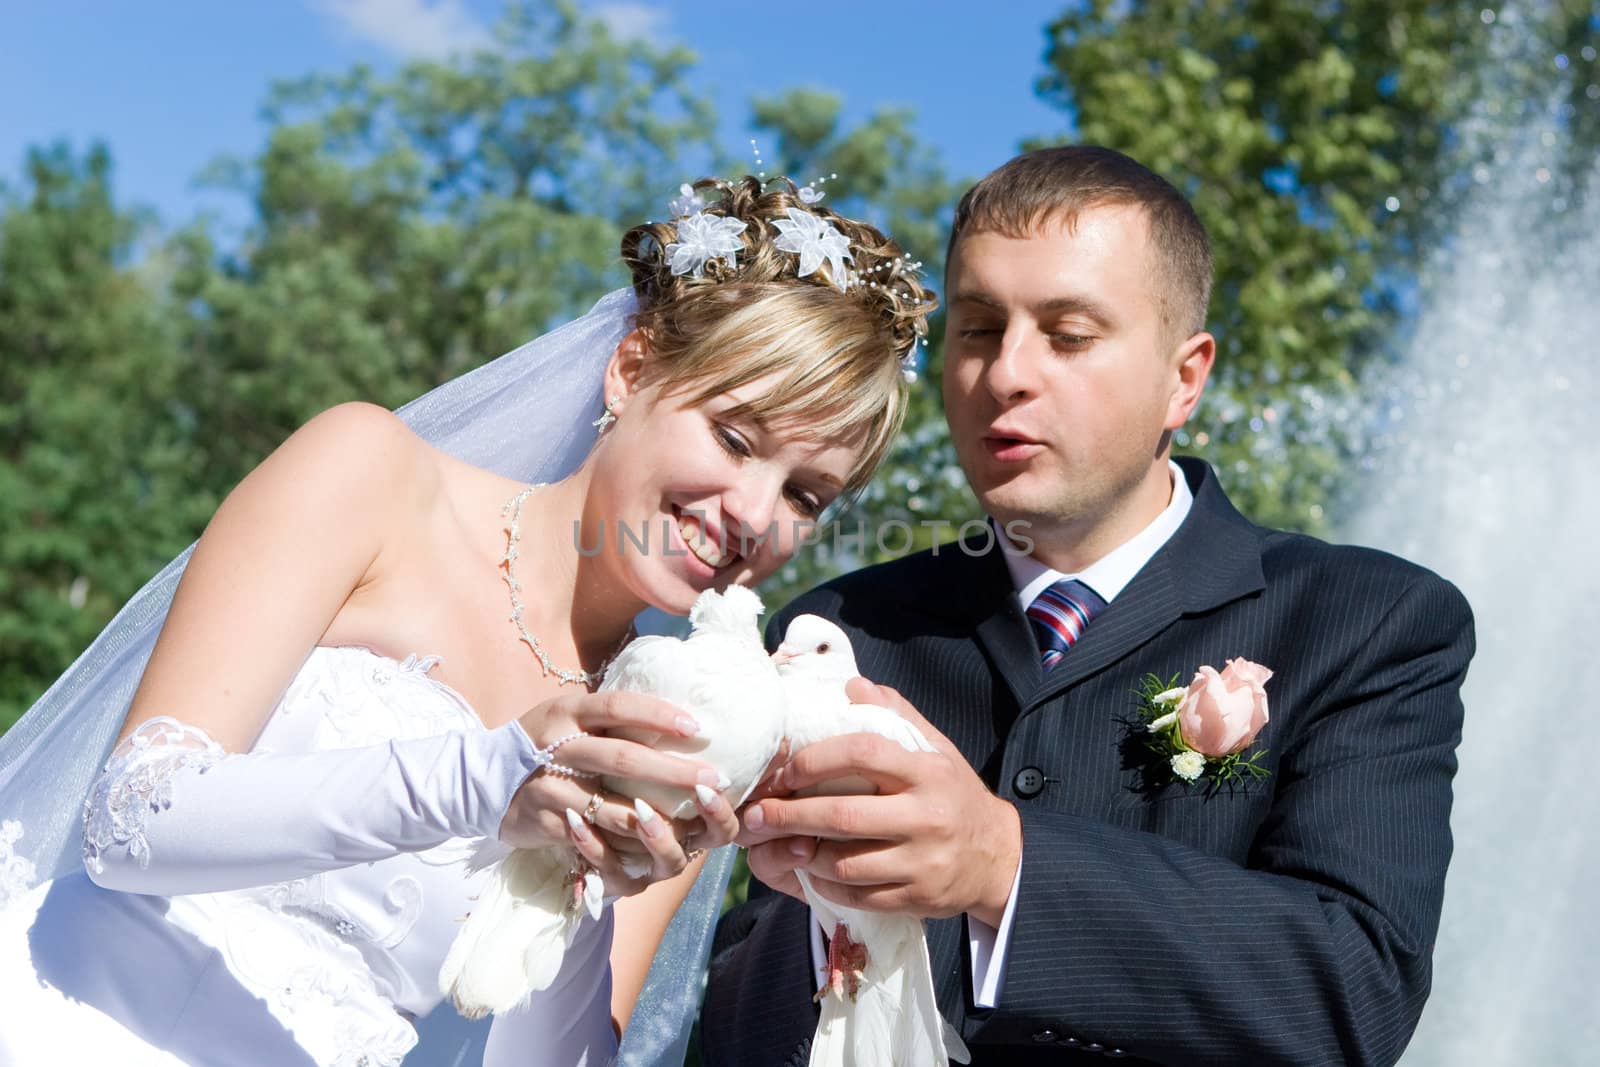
(817, 648)
(732, 611)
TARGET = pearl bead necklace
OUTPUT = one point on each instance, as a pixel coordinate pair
(564, 676)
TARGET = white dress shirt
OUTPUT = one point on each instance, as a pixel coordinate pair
(1107, 576)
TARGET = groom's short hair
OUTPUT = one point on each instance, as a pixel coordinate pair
(1055, 184)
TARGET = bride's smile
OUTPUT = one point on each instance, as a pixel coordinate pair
(691, 492)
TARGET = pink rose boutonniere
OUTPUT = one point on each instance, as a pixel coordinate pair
(1202, 729)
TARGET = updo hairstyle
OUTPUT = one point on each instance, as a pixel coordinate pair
(835, 344)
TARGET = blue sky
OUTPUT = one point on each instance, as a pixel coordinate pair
(170, 84)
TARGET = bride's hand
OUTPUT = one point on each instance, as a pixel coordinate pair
(715, 826)
(553, 807)
(648, 853)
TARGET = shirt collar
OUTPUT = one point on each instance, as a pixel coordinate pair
(1111, 573)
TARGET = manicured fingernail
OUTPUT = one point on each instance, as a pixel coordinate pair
(707, 795)
(798, 848)
(712, 778)
(575, 821)
(647, 814)
(753, 819)
(687, 726)
(723, 782)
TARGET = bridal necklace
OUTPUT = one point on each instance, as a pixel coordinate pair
(564, 675)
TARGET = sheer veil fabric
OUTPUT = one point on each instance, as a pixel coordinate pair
(526, 415)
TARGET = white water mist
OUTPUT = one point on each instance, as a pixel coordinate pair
(1486, 469)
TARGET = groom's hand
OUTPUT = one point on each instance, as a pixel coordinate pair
(932, 841)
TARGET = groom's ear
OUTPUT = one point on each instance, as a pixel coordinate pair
(626, 365)
(1191, 367)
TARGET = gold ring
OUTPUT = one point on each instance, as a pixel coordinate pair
(590, 812)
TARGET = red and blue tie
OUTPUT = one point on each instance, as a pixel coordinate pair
(1059, 616)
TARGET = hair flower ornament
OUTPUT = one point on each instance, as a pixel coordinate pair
(687, 202)
(815, 240)
(702, 238)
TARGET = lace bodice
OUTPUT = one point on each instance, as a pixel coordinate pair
(328, 970)
(336, 954)
(332, 969)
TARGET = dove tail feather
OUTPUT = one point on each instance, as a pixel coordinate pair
(894, 1019)
(513, 943)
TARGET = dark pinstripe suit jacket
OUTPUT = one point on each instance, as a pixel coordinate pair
(1284, 921)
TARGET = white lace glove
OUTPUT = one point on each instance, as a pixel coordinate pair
(173, 812)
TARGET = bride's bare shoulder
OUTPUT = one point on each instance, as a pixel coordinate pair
(357, 443)
(363, 463)
(311, 524)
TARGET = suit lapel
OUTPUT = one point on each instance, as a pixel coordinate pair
(1148, 605)
(1213, 558)
(1006, 639)
(974, 592)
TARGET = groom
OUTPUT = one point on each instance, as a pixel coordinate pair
(1083, 901)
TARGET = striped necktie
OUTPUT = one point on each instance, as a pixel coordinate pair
(1059, 616)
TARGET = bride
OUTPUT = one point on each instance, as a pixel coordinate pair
(381, 651)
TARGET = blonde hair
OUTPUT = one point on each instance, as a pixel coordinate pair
(836, 344)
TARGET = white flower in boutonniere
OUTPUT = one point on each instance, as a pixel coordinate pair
(1188, 765)
(815, 240)
(1171, 697)
(1204, 728)
(702, 238)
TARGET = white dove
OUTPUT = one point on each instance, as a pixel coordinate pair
(513, 942)
(879, 1007)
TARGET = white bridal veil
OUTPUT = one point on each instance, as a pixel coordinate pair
(525, 415)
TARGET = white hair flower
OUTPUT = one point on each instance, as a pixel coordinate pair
(1188, 765)
(702, 238)
(815, 240)
(687, 202)
(810, 194)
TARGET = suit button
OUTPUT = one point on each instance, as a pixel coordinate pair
(1094, 1046)
(1044, 1037)
(1029, 782)
(1115, 1053)
(1072, 1042)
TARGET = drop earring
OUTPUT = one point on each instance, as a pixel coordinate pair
(607, 417)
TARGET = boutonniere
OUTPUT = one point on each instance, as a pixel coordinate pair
(1202, 729)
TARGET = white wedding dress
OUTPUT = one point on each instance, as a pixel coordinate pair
(325, 970)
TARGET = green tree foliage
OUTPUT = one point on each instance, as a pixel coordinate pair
(97, 457)
(411, 226)
(405, 227)
(1325, 145)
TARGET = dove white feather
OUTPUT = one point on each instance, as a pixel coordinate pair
(885, 1013)
(513, 942)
